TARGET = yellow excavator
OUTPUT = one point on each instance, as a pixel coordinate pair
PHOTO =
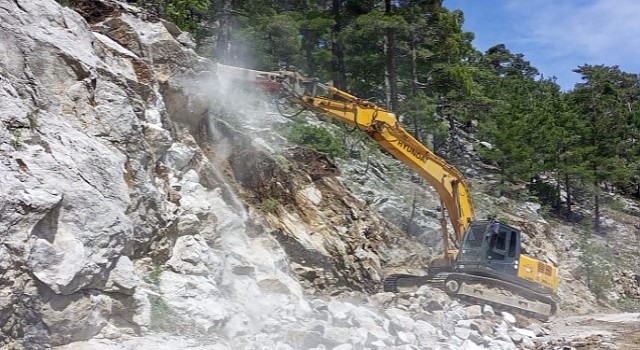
(482, 260)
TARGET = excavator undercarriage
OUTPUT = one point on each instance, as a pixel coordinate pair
(502, 295)
(490, 269)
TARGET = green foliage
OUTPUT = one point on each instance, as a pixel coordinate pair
(544, 192)
(420, 118)
(271, 40)
(506, 189)
(154, 276)
(186, 13)
(517, 122)
(66, 3)
(271, 205)
(314, 137)
(596, 264)
(366, 34)
(315, 28)
(614, 203)
(33, 120)
(162, 317)
(628, 304)
(604, 101)
(16, 138)
(504, 220)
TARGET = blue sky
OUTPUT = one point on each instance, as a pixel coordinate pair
(557, 36)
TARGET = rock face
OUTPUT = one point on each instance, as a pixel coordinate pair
(118, 209)
(84, 138)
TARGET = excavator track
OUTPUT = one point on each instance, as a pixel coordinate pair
(500, 294)
(402, 282)
(479, 289)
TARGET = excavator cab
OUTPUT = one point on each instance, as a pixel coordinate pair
(492, 249)
(490, 259)
(490, 244)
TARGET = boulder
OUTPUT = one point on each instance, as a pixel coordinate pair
(75, 317)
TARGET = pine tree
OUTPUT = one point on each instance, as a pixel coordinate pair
(600, 101)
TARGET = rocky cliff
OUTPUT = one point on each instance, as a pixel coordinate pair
(143, 204)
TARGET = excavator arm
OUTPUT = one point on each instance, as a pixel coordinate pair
(383, 127)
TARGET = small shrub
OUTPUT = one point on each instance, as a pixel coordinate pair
(283, 163)
(188, 15)
(316, 138)
(517, 192)
(270, 205)
(614, 203)
(504, 220)
(597, 270)
(586, 225)
(33, 120)
(544, 192)
(154, 276)
(16, 140)
(628, 304)
(66, 3)
(162, 317)
(392, 177)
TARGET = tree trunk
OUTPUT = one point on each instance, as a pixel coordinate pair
(223, 44)
(557, 205)
(414, 65)
(308, 43)
(411, 215)
(390, 74)
(596, 215)
(339, 68)
(594, 165)
(415, 82)
(416, 130)
(567, 186)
